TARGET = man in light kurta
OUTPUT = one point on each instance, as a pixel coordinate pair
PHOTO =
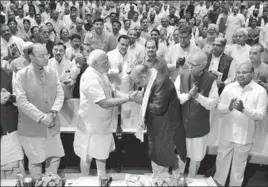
(242, 104)
(234, 21)
(122, 62)
(100, 39)
(39, 99)
(98, 115)
(67, 70)
(198, 94)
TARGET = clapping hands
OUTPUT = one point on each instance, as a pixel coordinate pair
(236, 104)
(193, 92)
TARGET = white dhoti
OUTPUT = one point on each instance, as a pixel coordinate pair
(196, 148)
(38, 149)
(11, 150)
(96, 146)
(11, 156)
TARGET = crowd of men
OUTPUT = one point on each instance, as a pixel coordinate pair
(172, 68)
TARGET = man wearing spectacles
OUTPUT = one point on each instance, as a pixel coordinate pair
(39, 98)
(220, 64)
(243, 103)
(198, 94)
(67, 70)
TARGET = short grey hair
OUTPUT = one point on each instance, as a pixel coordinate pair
(94, 56)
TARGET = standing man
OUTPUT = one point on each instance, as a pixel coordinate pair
(263, 40)
(198, 94)
(179, 53)
(242, 103)
(234, 21)
(93, 136)
(151, 59)
(39, 98)
(161, 114)
(100, 39)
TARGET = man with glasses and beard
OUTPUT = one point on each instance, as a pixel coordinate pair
(198, 94)
(242, 103)
(39, 99)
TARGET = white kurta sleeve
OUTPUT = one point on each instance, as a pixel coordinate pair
(183, 97)
(260, 111)
(74, 70)
(211, 101)
(23, 102)
(223, 105)
(59, 95)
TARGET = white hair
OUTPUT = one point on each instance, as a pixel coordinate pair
(243, 30)
(94, 56)
(201, 56)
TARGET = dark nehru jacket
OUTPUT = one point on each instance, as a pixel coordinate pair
(164, 125)
(195, 117)
(9, 113)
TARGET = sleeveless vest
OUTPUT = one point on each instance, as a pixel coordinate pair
(194, 116)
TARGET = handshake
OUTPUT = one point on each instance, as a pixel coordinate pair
(236, 104)
(135, 96)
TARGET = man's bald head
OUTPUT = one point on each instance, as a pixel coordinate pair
(244, 74)
(197, 62)
(95, 56)
(139, 75)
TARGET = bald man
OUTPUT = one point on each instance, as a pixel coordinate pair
(198, 94)
(93, 136)
(163, 120)
(39, 98)
(242, 103)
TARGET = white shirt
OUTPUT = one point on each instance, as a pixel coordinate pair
(70, 51)
(141, 41)
(121, 63)
(208, 103)
(45, 16)
(263, 39)
(64, 67)
(239, 127)
(137, 50)
(175, 52)
(239, 53)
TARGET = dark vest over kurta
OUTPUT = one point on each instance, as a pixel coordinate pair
(224, 66)
(164, 125)
(195, 117)
(9, 113)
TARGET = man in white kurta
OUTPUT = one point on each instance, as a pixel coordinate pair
(239, 51)
(182, 50)
(263, 40)
(67, 70)
(242, 104)
(196, 106)
(98, 115)
(122, 62)
(234, 21)
(39, 98)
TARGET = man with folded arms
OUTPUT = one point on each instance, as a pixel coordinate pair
(39, 98)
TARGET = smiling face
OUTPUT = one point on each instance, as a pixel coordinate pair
(244, 74)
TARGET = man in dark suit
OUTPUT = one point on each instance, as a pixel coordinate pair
(220, 64)
(11, 151)
(162, 119)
